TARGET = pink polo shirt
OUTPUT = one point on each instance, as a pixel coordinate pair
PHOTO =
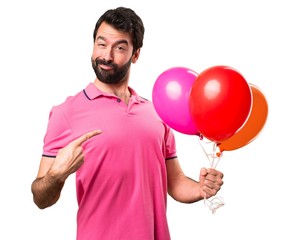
(122, 185)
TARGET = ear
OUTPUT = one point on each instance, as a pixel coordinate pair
(136, 56)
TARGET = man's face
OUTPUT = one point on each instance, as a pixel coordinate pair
(112, 55)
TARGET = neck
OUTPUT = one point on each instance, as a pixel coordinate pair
(120, 90)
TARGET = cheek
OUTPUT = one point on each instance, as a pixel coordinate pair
(96, 53)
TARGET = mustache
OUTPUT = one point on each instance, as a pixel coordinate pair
(104, 62)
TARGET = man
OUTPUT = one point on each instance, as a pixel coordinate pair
(123, 155)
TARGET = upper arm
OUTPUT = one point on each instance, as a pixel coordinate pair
(45, 164)
(58, 134)
(174, 172)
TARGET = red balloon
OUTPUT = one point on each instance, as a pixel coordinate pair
(220, 102)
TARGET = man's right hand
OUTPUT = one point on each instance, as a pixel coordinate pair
(71, 157)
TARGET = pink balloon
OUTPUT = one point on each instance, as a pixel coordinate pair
(170, 96)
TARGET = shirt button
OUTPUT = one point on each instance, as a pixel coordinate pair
(118, 100)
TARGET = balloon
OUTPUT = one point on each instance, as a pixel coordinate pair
(253, 126)
(170, 96)
(220, 102)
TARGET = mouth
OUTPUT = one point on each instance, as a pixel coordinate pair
(105, 67)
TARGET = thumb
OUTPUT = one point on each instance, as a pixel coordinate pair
(202, 176)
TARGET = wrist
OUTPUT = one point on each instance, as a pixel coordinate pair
(56, 176)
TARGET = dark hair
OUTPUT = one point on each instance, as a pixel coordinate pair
(125, 20)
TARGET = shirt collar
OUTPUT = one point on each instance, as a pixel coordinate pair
(92, 92)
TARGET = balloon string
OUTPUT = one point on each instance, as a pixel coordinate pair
(213, 157)
(214, 203)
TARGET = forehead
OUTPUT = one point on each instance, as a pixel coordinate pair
(108, 33)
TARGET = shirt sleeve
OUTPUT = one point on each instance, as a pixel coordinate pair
(58, 134)
(170, 144)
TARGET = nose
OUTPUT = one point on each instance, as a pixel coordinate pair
(108, 54)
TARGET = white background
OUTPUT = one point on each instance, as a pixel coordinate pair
(45, 50)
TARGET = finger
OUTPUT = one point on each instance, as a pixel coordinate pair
(79, 141)
(209, 192)
(214, 180)
(213, 185)
(214, 172)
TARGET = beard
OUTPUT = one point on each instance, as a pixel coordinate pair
(115, 75)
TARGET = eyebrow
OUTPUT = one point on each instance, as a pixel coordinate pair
(118, 42)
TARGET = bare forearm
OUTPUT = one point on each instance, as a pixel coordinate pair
(185, 190)
(46, 190)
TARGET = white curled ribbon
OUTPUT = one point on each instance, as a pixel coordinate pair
(214, 203)
(213, 155)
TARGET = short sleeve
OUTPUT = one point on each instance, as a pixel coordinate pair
(170, 144)
(58, 134)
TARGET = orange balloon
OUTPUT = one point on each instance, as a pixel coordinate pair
(252, 127)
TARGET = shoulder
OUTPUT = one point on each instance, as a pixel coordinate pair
(73, 100)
